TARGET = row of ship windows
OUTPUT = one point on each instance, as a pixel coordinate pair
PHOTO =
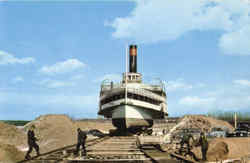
(131, 96)
(134, 77)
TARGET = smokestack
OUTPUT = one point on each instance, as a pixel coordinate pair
(133, 58)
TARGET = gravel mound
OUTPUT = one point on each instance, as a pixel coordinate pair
(11, 135)
(204, 123)
(218, 150)
(53, 131)
(226, 148)
(10, 154)
(101, 125)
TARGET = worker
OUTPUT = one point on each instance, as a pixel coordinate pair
(81, 139)
(186, 140)
(32, 142)
(204, 145)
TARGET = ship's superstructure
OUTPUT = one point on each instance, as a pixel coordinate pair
(132, 103)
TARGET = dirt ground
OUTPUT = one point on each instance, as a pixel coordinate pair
(56, 131)
(10, 139)
(219, 148)
(10, 154)
(226, 148)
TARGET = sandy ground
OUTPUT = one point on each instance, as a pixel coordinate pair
(226, 148)
(9, 153)
(53, 132)
(56, 131)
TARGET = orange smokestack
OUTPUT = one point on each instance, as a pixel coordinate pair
(133, 58)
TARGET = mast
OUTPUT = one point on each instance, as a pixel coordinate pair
(126, 89)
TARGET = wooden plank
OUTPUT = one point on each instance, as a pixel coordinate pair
(183, 158)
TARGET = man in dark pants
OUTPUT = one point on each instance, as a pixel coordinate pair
(204, 146)
(32, 142)
(186, 140)
(81, 139)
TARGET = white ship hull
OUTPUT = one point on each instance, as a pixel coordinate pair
(126, 116)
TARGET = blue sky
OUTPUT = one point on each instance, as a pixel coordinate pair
(54, 54)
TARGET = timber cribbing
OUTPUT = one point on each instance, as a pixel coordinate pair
(117, 149)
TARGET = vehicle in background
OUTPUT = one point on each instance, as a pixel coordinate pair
(244, 126)
(242, 130)
(195, 132)
(217, 132)
(238, 132)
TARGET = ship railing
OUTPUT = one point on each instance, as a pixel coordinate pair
(145, 93)
(141, 91)
(110, 86)
(149, 94)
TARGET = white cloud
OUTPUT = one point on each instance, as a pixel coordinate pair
(60, 83)
(178, 84)
(32, 105)
(197, 101)
(49, 83)
(51, 101)
(77, 101)
(112, 77)
(201, 85)
(234, 102)
(63, 67)
(236, 42)
(225, 98)
(157, 20)
(18, 79)
(6, 59)
(77, 77)
(242, 82)
(181, 84)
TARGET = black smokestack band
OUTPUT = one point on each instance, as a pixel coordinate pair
(133, 58)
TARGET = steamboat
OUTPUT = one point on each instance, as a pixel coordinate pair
(132, 103)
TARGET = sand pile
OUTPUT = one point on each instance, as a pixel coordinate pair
(238, 147)
(54, 131)
(57, 131)
(10, 154)
(195, 124)
(101, 125)
(9, 134)
(226, 148)
(204, 123)
(218, 150)
(11, 140)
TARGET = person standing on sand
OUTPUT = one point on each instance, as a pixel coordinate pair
(81, 139)
(32, 142)
(186, 140)
(204, 145)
